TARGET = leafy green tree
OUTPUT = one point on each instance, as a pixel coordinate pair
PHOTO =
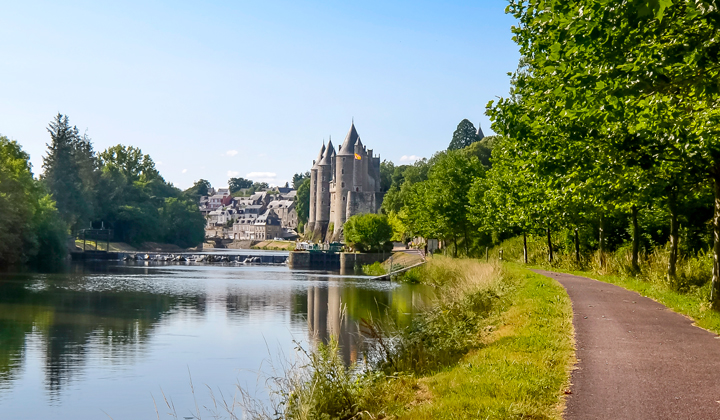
(130, 162)
(237, 184)
(298, 179)
(387, 169)
(464, 136)
(369, 232)
(70, 172)
(30, 227)
(199, 189)
(260, 186)
(438, 206)
(302, 205)
(182, 223)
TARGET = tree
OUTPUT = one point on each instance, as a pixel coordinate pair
(237, 184)
(199, 189)
(303, 203)
(369, 232)
(30, 227)
(387, 169)
(130, 162)
(464, 136)
(182, 223)
(438, 207)
(70, 172)
(298, 179)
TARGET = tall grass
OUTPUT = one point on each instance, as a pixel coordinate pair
(693, 273)
(495, 343)
(384, 383)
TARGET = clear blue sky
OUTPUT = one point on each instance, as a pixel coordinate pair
(218, 89)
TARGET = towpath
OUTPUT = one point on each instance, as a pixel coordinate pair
(637, 359)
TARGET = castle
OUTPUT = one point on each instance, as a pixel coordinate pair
(342, 184)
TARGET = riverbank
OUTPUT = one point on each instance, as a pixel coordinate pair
(496, 343)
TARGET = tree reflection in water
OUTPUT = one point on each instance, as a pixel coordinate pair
(108, 335)
(71, 312)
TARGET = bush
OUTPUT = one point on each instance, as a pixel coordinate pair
(374, 269)
(369, 233)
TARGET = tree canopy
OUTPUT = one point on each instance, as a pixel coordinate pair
(465, 135)
(369, 232)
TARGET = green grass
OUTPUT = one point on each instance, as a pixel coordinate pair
(497, 344)
(374, 269)
(523, 369)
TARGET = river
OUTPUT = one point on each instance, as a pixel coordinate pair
(99, 341)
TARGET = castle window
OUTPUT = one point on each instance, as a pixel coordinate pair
(343, 159)
(357, 189)
(343, 198)
(342, 185)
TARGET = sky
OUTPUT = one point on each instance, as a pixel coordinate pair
(220, 89)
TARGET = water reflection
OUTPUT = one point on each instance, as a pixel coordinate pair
(69, 312)
(107, 335)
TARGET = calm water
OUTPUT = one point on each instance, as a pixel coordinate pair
(103, 339)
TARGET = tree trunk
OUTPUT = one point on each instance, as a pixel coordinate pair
(454, 247)
(601, 245)
(577, 246)
(550, 250)
(715, 289)
(672, 262)
(635, 239)
(467, 249)
(525, 256)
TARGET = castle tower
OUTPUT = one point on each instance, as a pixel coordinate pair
(322, 193)
(313, 187)
(344, 178)
(358, 162)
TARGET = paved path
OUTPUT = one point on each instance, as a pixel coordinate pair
(636, 358)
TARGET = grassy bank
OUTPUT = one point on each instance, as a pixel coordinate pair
(523, 367)
(497, 344)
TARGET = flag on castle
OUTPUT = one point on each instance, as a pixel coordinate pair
(357, 156)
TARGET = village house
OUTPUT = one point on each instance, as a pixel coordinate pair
(285, 209)
(268, 226)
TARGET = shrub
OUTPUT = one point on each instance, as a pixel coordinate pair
(369, 233)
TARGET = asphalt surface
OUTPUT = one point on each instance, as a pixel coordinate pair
(636, 358)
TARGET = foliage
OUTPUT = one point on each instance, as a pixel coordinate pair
(298, 179)
(182, 223)
(369, 232)
(303, 202)
(465, 134)
(490, 328)
(70, 172)
(237, 184)
(199, 189)
(437, 207)
(374, 269)
(30, 227)
(387, 170)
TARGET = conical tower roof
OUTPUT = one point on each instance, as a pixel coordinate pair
(350, 139)
(319, 157)
(329, 153)
(359, 143)
(480, 134)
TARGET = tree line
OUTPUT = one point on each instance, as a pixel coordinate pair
(608, 140)
(119, 188)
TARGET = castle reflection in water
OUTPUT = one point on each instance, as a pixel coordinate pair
(112, 313)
